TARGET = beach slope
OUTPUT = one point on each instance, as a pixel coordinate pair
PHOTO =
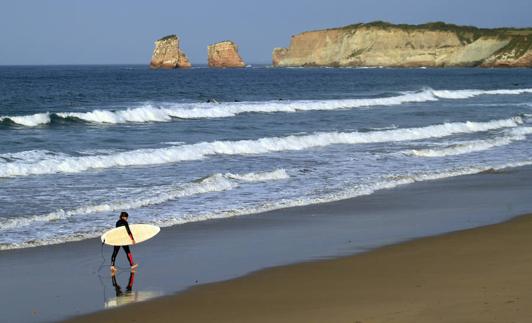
(477, 275)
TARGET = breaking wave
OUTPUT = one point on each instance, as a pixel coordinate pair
(213, 183)
(462, 148)
(466, 94)
(387, 182)
(473, 145)
(169, 112)
(173, 154)
(29, 120)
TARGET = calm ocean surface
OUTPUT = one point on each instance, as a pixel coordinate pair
(79, 144)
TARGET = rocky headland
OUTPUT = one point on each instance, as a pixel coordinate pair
(429, 45)
(168, 54)
(224, 54)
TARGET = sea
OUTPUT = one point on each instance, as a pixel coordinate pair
(80, 144)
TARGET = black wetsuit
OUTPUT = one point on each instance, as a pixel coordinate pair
(123, 223)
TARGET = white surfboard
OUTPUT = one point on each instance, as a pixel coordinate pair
(119, 237)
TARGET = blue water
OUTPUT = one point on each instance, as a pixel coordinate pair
(79, 144)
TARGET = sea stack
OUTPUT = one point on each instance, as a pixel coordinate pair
(224, 54)
(434, 44)
(167, 54)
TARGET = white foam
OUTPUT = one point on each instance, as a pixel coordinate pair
(32, 120)
(463, 148)
(260, 177)
(383, 128)
(143, 157)
(167, 112)
(30, 156)
(460, 149)
(466, 94)
(352, 192)
(142, 114)
(467, 147)
(520, 131)
(157, 195)
(388, 182)
(150, 113)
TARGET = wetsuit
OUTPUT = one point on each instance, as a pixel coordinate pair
(123, 223)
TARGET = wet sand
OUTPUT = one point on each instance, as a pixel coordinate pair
(477, 275)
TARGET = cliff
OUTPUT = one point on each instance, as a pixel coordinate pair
(431, 45)
(167, 54)
(224, 54)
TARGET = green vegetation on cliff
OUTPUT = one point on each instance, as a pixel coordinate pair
(518, 45)
(167, 37)
(466, 34)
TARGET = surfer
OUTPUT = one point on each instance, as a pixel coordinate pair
(120, 223)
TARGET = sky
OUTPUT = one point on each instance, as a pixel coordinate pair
(41, 32)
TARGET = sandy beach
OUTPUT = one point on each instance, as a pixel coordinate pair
(477, 275)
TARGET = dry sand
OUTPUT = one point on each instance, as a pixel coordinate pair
(478, 275)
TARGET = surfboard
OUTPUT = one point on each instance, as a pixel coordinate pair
(119, 237)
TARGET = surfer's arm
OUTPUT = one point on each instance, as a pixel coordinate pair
(129, 233)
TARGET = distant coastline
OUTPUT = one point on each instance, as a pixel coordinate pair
(381, 44)
(375, 44)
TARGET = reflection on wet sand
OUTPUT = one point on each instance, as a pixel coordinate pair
(127, 296)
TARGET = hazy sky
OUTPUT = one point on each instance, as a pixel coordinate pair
(123, 31)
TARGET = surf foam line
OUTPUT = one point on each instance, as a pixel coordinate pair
(146, 157)
(152, 113)
(213, 183)
(467, 147)
(466, 94)
(388, 182)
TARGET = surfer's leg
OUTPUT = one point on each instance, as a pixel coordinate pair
(131, 281)
(113, 258)
(129, 255)
(118, 290)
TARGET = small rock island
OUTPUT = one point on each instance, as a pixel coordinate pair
(224, 54)
(168, 54)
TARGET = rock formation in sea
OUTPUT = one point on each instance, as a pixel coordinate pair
(167, 54)
(431, 45)
(224, 54)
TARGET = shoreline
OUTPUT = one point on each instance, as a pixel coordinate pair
(463, 276)
(65, 280)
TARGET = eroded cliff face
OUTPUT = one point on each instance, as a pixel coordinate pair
(224, 54)
(430, 45)
(167, 54)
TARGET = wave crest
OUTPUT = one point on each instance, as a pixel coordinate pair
(474, 145)
(166, 113)
(144, 157)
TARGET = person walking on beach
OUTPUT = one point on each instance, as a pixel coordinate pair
(120, 223)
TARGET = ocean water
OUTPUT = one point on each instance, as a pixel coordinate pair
(79, 144)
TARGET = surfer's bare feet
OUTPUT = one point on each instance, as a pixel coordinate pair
(113, 269)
